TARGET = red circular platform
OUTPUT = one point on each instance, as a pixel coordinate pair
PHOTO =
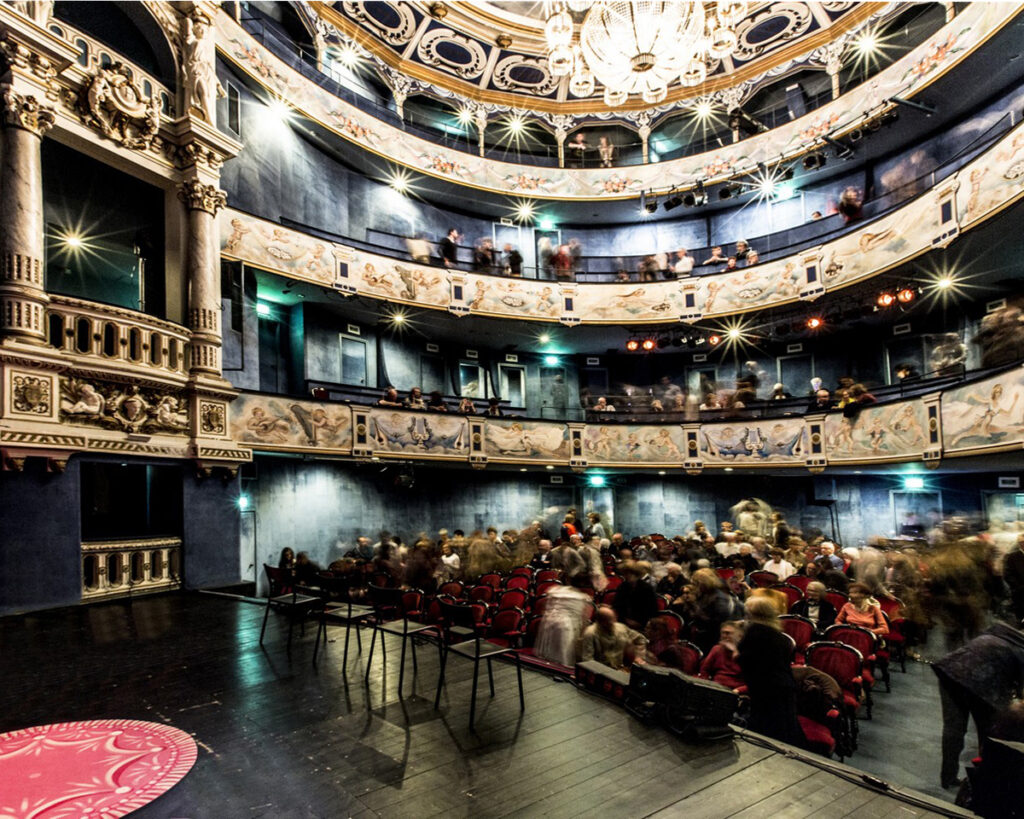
(99, 768)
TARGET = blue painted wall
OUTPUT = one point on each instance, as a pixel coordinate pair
(40, 548)
(211, 530)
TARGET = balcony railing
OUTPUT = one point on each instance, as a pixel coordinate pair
(126, 567)
(93, 55)
(114, 334)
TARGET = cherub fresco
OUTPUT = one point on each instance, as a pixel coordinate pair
(238, 232)
(319, 428)
(274, 429)
(986, 418)
(663, 447)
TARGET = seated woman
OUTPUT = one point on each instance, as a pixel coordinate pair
(467, 407)
(287, 559)
(494, 407)
(863, 610)
(722, 665)
(662, 647)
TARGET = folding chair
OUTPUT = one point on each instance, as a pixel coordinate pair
(396, 612)
(290, 601)
(345, 614)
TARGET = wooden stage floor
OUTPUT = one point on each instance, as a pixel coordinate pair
(280, 738)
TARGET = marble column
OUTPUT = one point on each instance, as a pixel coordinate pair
(23, 296)
(202, 264)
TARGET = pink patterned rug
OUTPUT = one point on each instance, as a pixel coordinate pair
(100, 768)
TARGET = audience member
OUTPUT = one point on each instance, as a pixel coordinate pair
(606, 151)
(635, 601)
(712, 606)
(1013, 575)
(562, 262)
(851, 204)
(822, 402)
(864, 611)
(764, 657)
(602, 405)
(390, 399)
(778, 565)
(684, 263)
(610, 642)
(779, 393)
(562, 625)
(493, 407)
(513, 261)
(753, 257)
(815, 607)
(436, 402)
(721, 665)
(449, 249)
(419, 249)
(742, 249)
(716, 256)
(730, 263)
(467, 407)
(415, 399)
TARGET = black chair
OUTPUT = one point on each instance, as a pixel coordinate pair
(284, 595)
(462, 633)
(396, 611)
(339, 610)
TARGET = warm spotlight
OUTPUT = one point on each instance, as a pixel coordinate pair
(648, 344)
(734, 333)
(398, 318)
(72, 241)
(400, 180)
(465, 115)
(544, 338)
(524, 211)
(714, 340)
(280, 110)
(867, 43)
(516, 124)
(945, 283)
(906, 295)
(886, 300)
(815, 323)
(632, 345)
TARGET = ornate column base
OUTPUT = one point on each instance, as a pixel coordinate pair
(211, 446)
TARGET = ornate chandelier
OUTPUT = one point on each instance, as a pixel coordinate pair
(637, 47)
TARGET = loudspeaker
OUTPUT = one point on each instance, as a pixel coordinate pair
(651, 683)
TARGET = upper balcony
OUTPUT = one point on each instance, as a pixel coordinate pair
(957, 203)
(862, 106)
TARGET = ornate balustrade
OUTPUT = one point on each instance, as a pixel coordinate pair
(969, 419)
(94, 55)
(127, 567)
(905, 78)
(116, 335)
(961, 202)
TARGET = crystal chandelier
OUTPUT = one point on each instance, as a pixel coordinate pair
(637, 47)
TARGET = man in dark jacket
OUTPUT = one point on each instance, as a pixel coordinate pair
(977, 680)
(1013, 574)
(449, 249)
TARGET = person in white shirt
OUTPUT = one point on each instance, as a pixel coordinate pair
(777, 564)
(684, 263)
(602, 405)
(727, 546)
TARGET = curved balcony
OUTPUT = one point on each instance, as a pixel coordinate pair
(974, 193)
(116, 337)
(968, 419)
(904, 78)
(123, 568)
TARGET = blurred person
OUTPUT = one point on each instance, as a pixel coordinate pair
(673, 581)
(764, 657)
(419, 249)
(449, 249)
(635, 601)
(851, 203)
(610, 642)
(390, 399)
(779, 393)
(684, 263)
(721, 665)
(436, 402)
(513, 261)
(977, 680)
(815, 216)
(606, 150)
(752, 258)
(562, 263)
(575, 255)
(712, 606)
(415, 399)
(662, 649)
(1013, 576)
(562, 625)
(483, 256)
(450, 567)
(602, 405)
(467, 407)
(494, 407)
(716, 256)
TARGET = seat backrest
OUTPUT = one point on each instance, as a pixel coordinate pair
(799, 628)
(483, 594)
(543, 587)
(539, 605)
(524, 571)
(453, 588)
(725, 574)
(793, 594)
(460, 613)
(673, 623)
(691, 657)
(763, 579)
(607, 597)
(836, 598)
(412, 603)
(274, 579)
(614, 581)
(891, 606)
(386, 602)
(801, 581)
(547, 575)
(513, 599)
(663, 601)
(491, 579)
(841, 662)
(506, 620)
(862, 639)
(518, 581)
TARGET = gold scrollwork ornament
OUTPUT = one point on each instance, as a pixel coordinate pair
(117, 107)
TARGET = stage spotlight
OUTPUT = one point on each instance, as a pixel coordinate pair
(713, 340)
(813, 161)
(673, 202)
(648, 344)
(651, 206)
(945, 283)
(815, 323)
(632, 345)
(906, 295)
(885, 300)
(734, 333)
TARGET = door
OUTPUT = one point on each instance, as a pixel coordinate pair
(554, 394)
(795, 374)
(512, 235)
(545, 245)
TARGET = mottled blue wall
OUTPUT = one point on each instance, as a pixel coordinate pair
(211, 530)
(40, 544)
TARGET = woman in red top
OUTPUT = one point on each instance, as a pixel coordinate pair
(863, 611)
(721, 664)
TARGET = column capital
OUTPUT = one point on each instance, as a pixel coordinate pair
(198, 196)
(26, 112)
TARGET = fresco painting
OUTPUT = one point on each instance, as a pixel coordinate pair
(289, 424)
(526, 439)
(987, 413)
(892, 431)
(756, 441)
(418, 433)
(606, 443)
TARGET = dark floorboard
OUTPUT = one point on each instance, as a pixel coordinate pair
(280, 738)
